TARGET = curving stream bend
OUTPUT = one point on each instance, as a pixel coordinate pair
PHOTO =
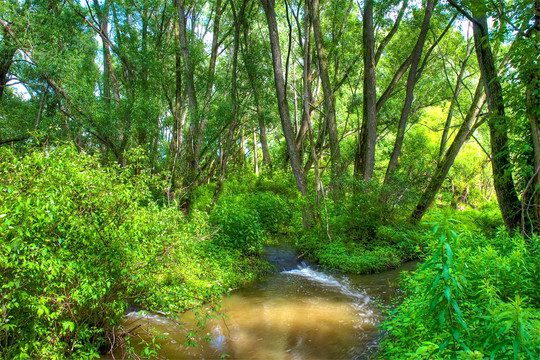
(300, 312)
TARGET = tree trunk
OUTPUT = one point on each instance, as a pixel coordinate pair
(533, 104)
(533, 109)
(9, 49)
(234, 103)
(191, 155)
(368, 133)
(178, 117)
(456, 92)
(255, 154)
(252, 78)
(307, 82)
(197, 126)
(498, 128)
(465, 132)
(330, 114)
(283, 105)
(411, 82)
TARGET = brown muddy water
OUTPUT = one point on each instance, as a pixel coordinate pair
(300, 312)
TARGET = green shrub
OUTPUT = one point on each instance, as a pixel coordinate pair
(78, 242)
(484, 220)
(357, 260)
(474, 298)
(273, 210)
(238, 223)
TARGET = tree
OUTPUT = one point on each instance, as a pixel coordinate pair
(411, 82)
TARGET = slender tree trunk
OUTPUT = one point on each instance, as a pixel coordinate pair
(178, 116)
(392, 32)
(109, 77)
(252, 76)
(411, 82)
(390, 88)
(6, 59)
(242, 148)
(255, 154)
(307, 112)
(368, 133)
(456, 92)
(197, 126)
(498, 128)
(532, 99)
(330, 114)
(465, 132)
(307, 82)
(191, 155)
(283, 104)
(533, 104)
(210, 74)
(234, 102)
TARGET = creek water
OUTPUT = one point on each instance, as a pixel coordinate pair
(300, 312)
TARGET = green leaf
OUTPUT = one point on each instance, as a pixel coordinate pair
(446, 272)
(448, 252)
(447, 293)
(68, 325)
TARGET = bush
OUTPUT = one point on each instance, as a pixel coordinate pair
(78, 242)
(274, 211)
(239, 224)
(484, 220)
(474, 298)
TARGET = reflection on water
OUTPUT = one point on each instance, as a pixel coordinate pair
(301, 313)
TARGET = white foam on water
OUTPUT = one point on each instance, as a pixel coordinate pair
(328, 281)
(145, 315)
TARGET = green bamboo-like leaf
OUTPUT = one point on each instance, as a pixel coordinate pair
(448, 252)
(447, 293)
(446, 272)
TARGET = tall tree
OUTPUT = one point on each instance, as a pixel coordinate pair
(250, 66)
(283, 105)
(411, 82)
(329, 108)
(465, 131)
(502, 166)
(368, 133)
(7, 52)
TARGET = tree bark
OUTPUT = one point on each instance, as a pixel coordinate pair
(234, 103)
(197, 125)
(454, 101)
(368, 133)
(532, 98)
(109, 78)
(252, 78)
(411, 82)
(498, 128)
(9, 48)
(283, 104)
(191, 153)
(330, 114)
(255, 154)
(465, 132)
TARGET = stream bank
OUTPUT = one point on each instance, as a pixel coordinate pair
(299, 312)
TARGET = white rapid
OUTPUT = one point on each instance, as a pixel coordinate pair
(302, 312)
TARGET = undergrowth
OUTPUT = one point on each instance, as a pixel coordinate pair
(475, 297)
(78, 243)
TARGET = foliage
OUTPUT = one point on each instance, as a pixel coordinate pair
(485, 220)
(249, 209)
(78, 242)
(366, 235)
(239, 225)
(474, 298)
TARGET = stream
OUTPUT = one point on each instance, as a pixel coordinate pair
(300, 312)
